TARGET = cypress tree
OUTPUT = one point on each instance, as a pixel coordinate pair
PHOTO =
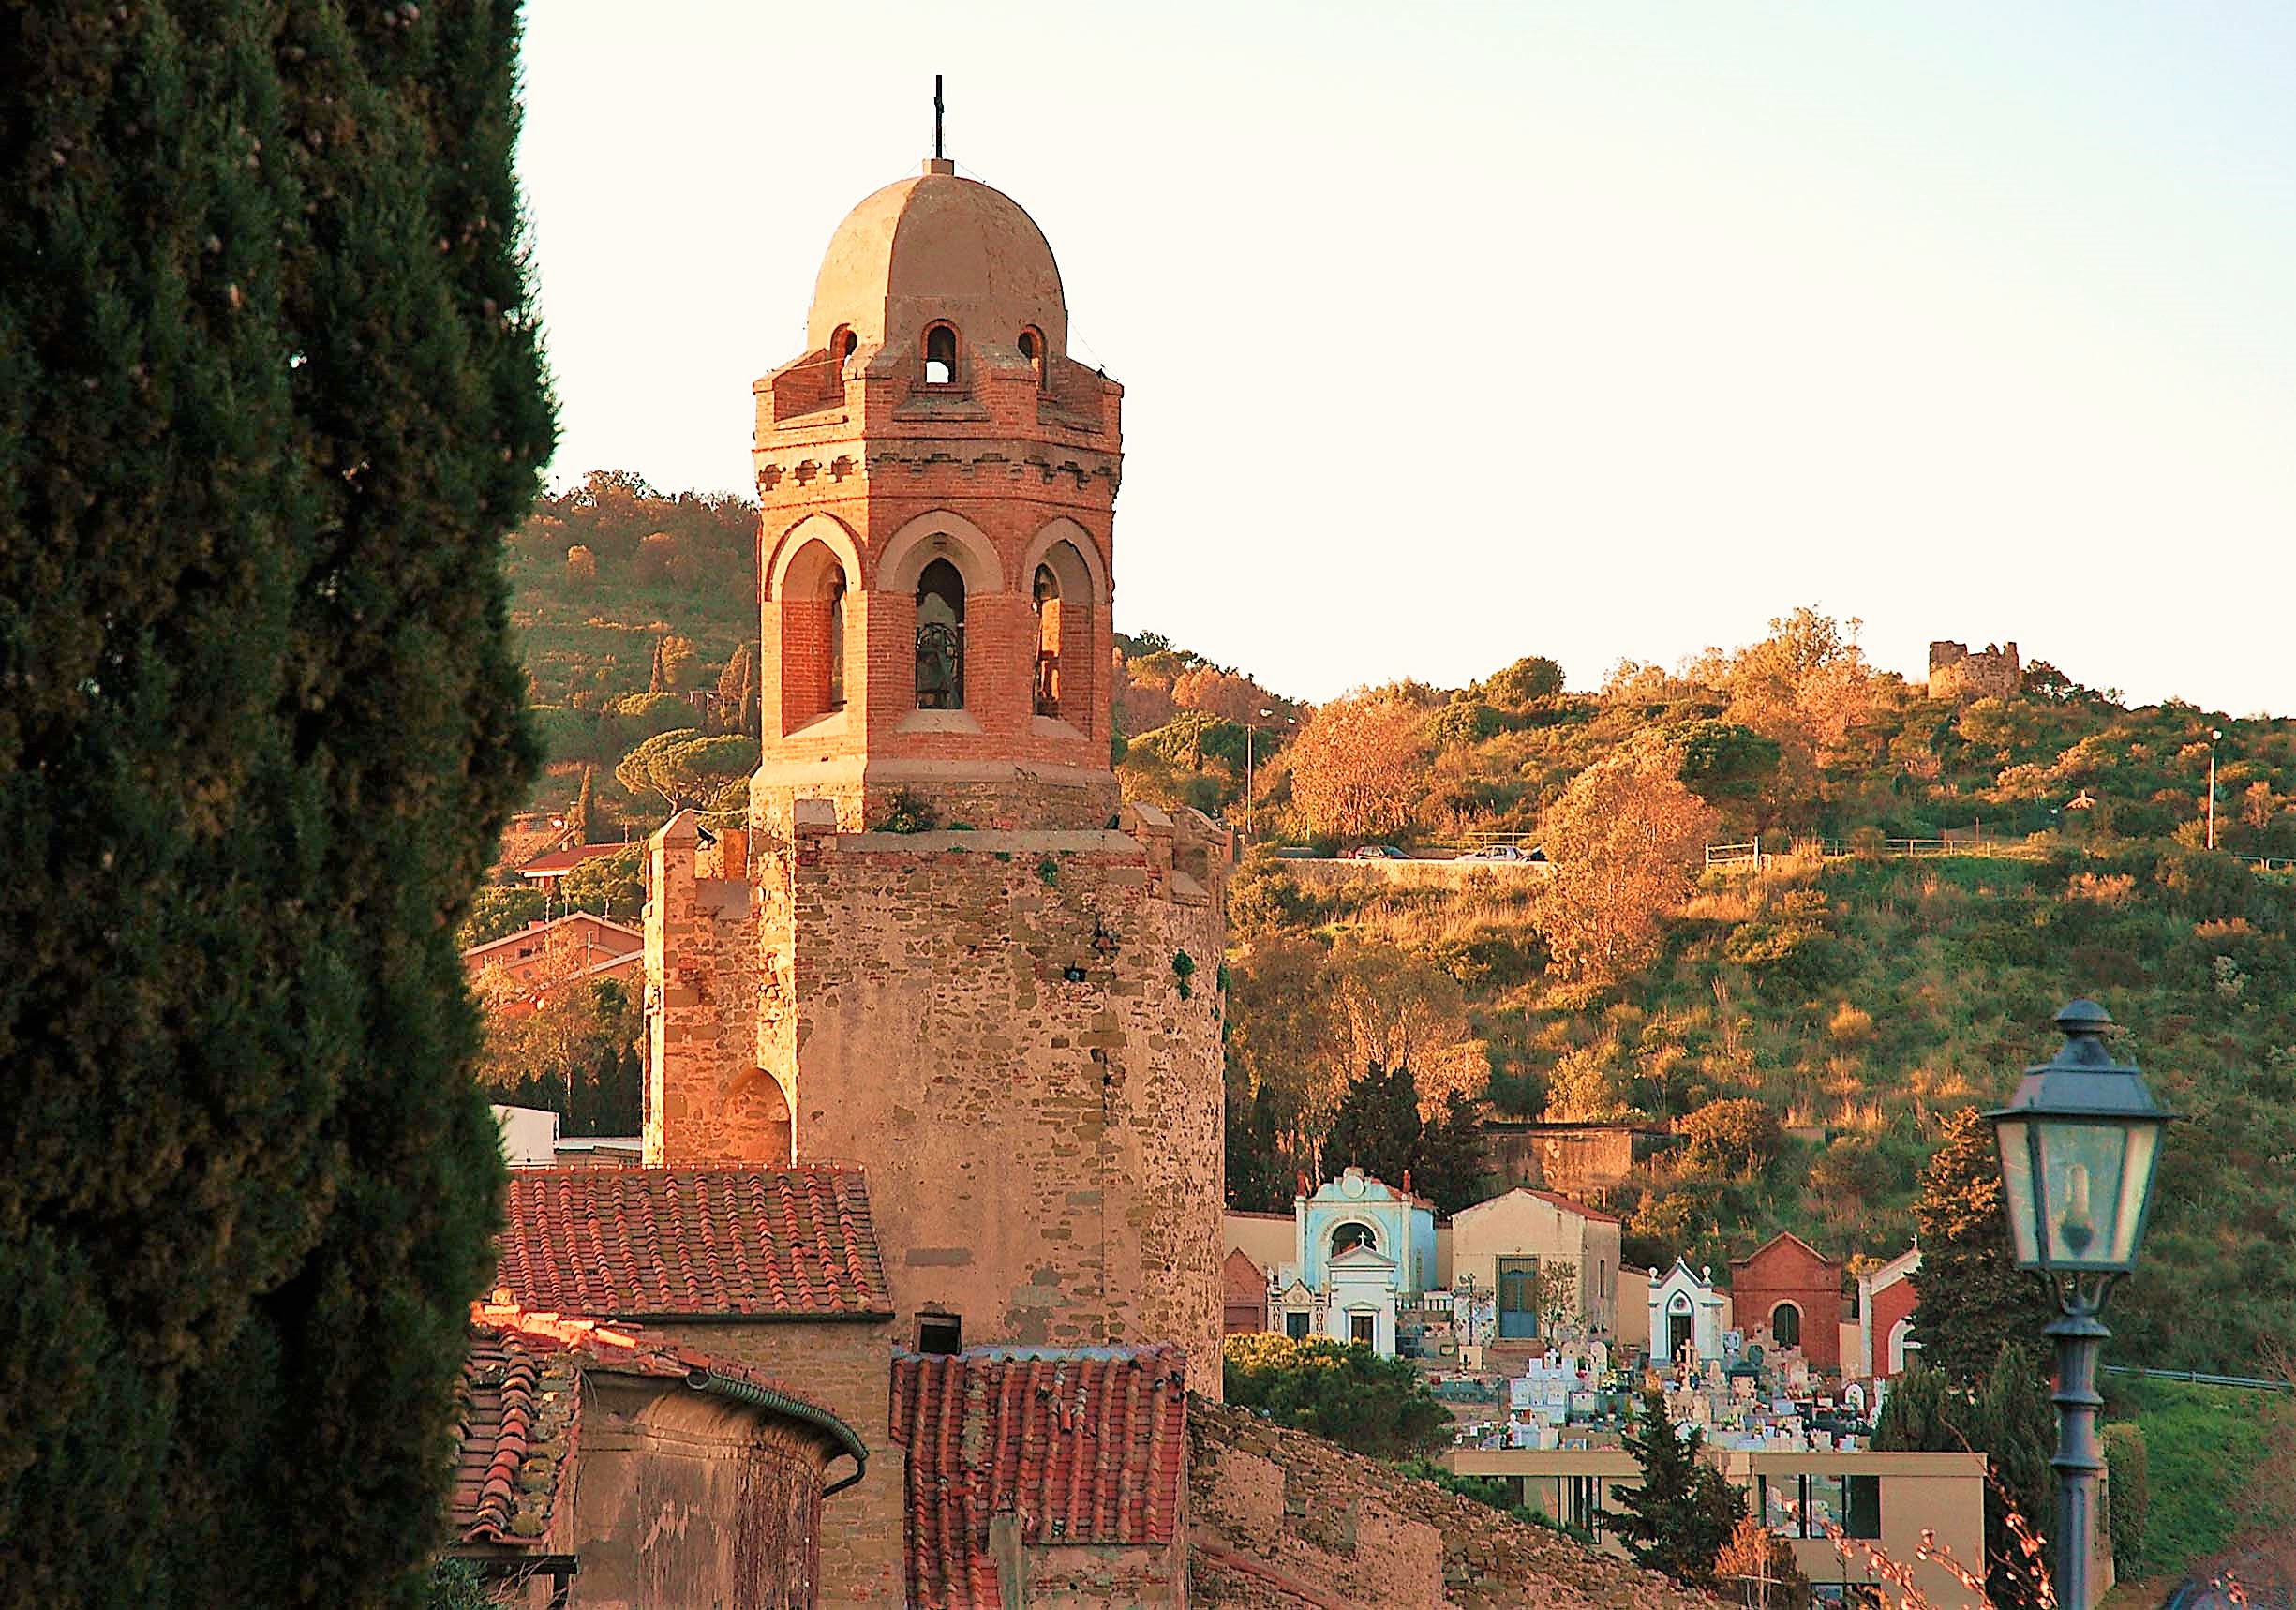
(270, 397)
(1376, 1127)
(1973, 1300)
(585, 808)
(1683, 1513)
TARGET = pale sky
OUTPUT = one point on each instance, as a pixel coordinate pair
(1456, 333)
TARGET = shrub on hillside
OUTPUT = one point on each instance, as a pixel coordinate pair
(1529, 681)
(1738, 1137)
(1339, 1391)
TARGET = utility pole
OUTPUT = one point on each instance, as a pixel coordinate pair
(2213, 734)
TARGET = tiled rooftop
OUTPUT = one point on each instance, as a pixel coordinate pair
(1079, 1445)
(522, 1410)
(715, 1243)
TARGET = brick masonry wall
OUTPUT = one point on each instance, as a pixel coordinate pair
(1348, 1529)
(708, 1099)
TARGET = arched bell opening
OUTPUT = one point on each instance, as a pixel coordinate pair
(940, 637)
(812, 610)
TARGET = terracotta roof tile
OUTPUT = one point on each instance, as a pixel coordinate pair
(521, 1411)
(565, 860)
(1572, 1204)
(1079, 1445)
(721, 1242)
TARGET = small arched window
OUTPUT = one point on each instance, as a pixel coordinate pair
(1044, 594)
(1787, 1325)
(941, 355)
(843, 343)
(940, 638)
(1349, 1235)
(836, 634)
(1031, 347)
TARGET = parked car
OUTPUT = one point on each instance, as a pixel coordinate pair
(1374, 853)
(1492, 852)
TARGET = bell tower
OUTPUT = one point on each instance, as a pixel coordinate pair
(945, 949)
(939, 479)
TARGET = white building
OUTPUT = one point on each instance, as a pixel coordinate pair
(1686, 1312)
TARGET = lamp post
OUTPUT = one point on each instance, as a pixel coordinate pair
(2078, 1144)
(2213, 734)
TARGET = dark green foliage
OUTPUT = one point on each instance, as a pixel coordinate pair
(1377, 1128)
(499, 909)
(1974, 1299)
(584, 813)
(1256, 1177)
(1737, 1137)
(270, 397)
(1722, 761)
(736, 702)
(1463, 721)
(455, 1585)
(584, 1065)
(1184, 973)
(1339, 1391)
(1447, 1167)
(1527, 681)
(2129, 1483)
(2009, 1419)
(1683, 1511)
(606, 885)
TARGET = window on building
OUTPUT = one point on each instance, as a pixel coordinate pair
(1295, 1324)
(1364, 1328)
(940, 1333)
(1353, 1234)
(1044, 594)
(1031, 347)
(1805, 1506)
(941, 355)
(940, 638)
(836, 644)
(1861, 1505)
(1787, 1325)
(843, 343)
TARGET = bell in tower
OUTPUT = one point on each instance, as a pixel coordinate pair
(937, 479)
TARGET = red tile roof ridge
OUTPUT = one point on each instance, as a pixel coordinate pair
(1572, 1204)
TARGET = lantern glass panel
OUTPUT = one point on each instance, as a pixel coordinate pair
(2014, 1136)
(2085, 1219)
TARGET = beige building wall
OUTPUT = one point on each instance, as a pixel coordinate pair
(1939, 1494)
(1633, 1327)
(1522, 1225)
(1269, 1240)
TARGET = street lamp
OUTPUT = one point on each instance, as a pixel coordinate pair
(2080, 1141)
(2213, 734)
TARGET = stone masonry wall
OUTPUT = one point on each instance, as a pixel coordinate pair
(1992, 672)
(1272, 1505)
(1018, 1035)
(845, 1368)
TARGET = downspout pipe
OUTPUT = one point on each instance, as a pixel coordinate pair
(848, 1440)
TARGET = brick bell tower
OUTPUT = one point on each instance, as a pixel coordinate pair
(944, 948)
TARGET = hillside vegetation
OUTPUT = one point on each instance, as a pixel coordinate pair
(1802, 1027)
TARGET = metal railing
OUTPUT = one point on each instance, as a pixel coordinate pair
(1751, 853)
(2200, 1378)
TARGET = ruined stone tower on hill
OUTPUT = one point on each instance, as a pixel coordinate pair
(943, 949)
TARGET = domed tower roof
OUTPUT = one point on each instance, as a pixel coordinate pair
(938, 246)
